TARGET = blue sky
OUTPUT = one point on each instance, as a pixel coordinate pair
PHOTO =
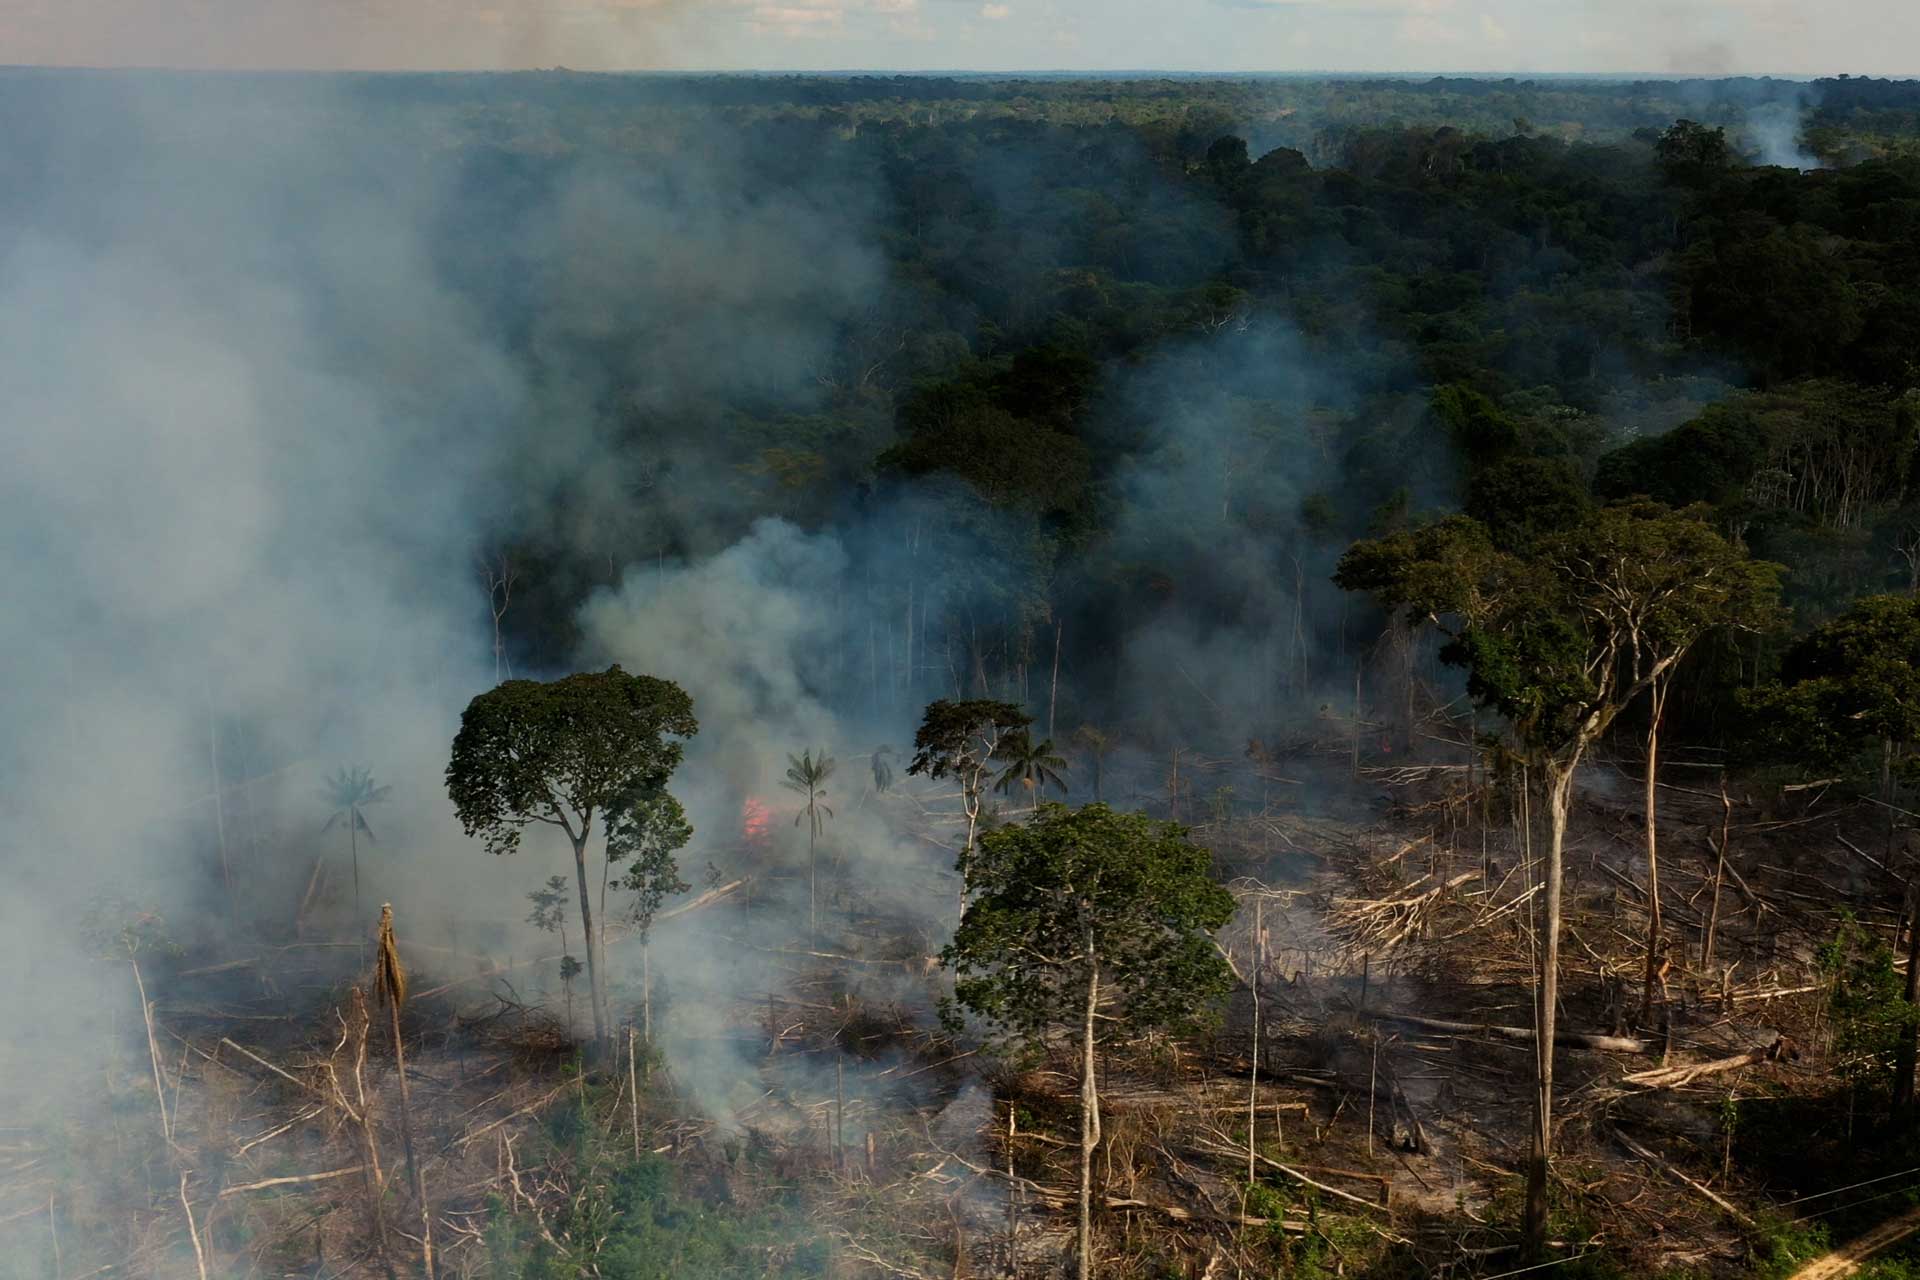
(1791, 37)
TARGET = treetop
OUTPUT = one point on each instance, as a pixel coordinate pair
(1079, 889)
(559, 751)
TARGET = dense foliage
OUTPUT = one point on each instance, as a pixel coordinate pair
(1118, 352)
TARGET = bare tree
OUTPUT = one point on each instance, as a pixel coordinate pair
(498, 573)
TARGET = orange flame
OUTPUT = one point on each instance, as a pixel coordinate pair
(754, 819)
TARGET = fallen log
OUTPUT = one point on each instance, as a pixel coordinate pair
(1240, 1152)
(1565, 1039)
(284, 1075)
(467, 1139)
(314, 884)
(1677, 1077)
(297, 1180)
(228, 967)
(706, 899)
(1682, 1178)
(1175, 1213)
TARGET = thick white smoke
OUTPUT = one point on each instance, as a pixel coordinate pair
(260, 417)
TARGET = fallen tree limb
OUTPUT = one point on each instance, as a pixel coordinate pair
(1565, 1039)
(1682, 1178)
(248, 1053)
(706, 899)
(1240, 1152)
(228, 967)
(1175, 1213)
(912, 964)
(297, 1180)
(466, 1139)
(1676, 1077)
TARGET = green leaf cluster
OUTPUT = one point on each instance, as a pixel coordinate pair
(561, 751)
(1077, 891)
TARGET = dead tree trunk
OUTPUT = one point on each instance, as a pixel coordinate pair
(1886, 794)
(219, 800)
(1089, 1114)
(153, 1053)
(1657, 692)
(356, 1023)
(1719, 874)
(1253, 1081)
(1353, 760)
(393, 989)
(1053, 691)
(1559, 792)
(633, 1089)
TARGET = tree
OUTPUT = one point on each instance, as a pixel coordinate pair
(1850, 693)
(958, 740)
(498, 573)
(882, 770)
(350, 791)
(1092, 920)
(1096, 744)
(1850, 688)
(549, 915)
(645, 832)
(807, 776)
(1693, 155)
(1558, 641)
(1033, 765)
(562, 753)
(1659, 580)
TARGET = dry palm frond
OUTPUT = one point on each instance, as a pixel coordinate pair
(392, 975)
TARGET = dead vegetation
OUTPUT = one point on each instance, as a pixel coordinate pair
(1375, 1123)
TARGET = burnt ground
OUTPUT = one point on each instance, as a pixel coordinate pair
(1389, 1117)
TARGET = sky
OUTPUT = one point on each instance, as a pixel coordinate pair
(1704, 37)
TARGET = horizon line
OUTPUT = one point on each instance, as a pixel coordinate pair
(1620, 76)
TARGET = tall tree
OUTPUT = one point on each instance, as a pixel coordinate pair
(350, 791)
(1033, 765)
(1558, 640)
(563, 753)
(1093, 920)
(807, 776)
(1659, 580)
(959, 740)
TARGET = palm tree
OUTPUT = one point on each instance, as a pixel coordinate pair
(350, 791)
(1033, 765)
(807, 775)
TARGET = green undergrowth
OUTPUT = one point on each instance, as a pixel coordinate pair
(652, 1227)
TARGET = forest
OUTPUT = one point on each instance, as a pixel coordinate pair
(856, 676)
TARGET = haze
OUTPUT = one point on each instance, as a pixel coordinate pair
(1696, 37)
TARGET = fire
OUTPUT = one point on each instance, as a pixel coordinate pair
(754, 820)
